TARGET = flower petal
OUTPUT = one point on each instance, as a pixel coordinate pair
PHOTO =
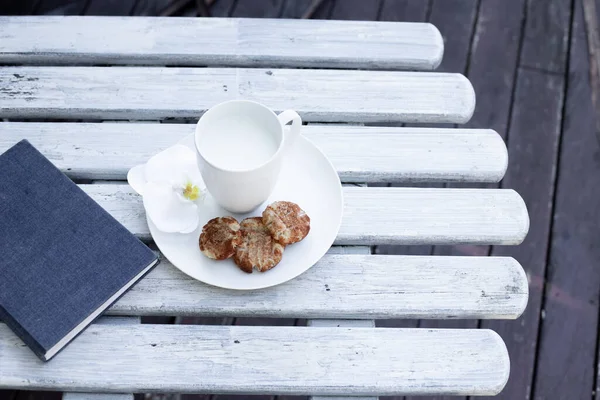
(172, 166)
(137, 179)
(168, 211)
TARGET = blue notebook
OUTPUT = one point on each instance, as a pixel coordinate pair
(64, 258)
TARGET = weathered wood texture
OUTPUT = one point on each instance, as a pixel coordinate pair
(404, 10)
(317, 95)
(456, 21)
(356, 10)
(546, 35)
(295, 8)
(216, 41)
(415, 11)
(344, 323)
(533, 139)
(359, 154)
(533, 145)
(384, 215)
(319, 361)
(105, 396)
(109, 7)
(350, 10)
(258, 9)
(570, 327)
(350, 287)
(493, 62)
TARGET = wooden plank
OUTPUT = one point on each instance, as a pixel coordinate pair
(535, 127)
(384, 215)
(493, 63)
(569, 331)
(295, 8)
(343, 323)
(110, 7)
(145, 8)
(258, 9)
(359, 154)
(347, 287)
(415, 11)
(222, 8)
(404, 10)
(218, 41)
(123, 321)
(535, 123)
(546, 35)
(356, 10)
(55, 8)
(317, 95)
(319, 361)
(455, 20)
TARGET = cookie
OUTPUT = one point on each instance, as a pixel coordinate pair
(286, 221)
(257, 249)
(219, 238)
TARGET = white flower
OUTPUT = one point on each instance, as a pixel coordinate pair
(171, 186)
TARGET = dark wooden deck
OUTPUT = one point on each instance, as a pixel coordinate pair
(530, 63)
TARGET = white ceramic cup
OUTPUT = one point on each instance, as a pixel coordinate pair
(240, 145)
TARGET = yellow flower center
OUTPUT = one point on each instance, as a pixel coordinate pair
(191, 192)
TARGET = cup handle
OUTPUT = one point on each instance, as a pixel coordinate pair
(294, 130)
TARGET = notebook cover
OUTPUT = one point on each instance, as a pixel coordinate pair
(63, 255)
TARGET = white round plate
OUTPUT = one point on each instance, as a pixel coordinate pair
(308, 179)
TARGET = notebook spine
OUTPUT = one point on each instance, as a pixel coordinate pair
(22, 333)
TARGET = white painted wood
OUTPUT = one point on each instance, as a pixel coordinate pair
(341, 323)
(151, 93)
(385, 215)
(347, 287)
(105, 396)
(265, 360)
(216, 41)
(359, 153)
(344, 323)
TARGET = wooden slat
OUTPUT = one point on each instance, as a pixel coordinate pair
(153, 93)
(271, 360)
(105, 396)
(348, 287)
(359, 153)
(384, 215)
(219, 42)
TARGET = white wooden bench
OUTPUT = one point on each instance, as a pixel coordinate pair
(148, 70)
